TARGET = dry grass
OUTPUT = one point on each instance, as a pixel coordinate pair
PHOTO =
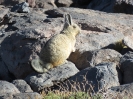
(78, 91)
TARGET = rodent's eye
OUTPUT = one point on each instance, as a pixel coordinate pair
(74, 26)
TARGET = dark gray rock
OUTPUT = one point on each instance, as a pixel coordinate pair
(4, 73)
(127, 67)
(22, 7)
(102, 5)
(102, 76)
(10, 2)
(16, 52)
(6, 87)
(104, 56)
(24, 42)
(22, 86)
(60, 73)
(120, 92)
(117, 6)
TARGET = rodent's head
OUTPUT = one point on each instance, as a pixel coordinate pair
(69, 26)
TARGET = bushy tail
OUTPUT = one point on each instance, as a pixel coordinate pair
(40, 66)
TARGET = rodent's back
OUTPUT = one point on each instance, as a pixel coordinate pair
(57, 49)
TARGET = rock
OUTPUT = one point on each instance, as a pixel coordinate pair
(92, 58)
(22, 8)
(3, 12)
(4, 73)
(47, 4)
(63, 3)
(16, 51)
(7, 87)
(32, 95)
(48, 79)
(128, 41)
(28, 95)
(22, 86)
(11, 2)
(119, 92)
(102, 76)
(123, 6)
(32, 3)
(101, 5)
(126, 66)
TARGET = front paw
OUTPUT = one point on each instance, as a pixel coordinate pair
(73, 50)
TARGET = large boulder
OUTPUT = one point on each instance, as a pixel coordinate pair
(17, 48)
(102, 76)
(22, 42)
(48, 79)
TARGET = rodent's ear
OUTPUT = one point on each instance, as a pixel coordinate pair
(66, 20)
(70, 19)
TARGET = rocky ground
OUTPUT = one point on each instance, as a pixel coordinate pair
(104, 48)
